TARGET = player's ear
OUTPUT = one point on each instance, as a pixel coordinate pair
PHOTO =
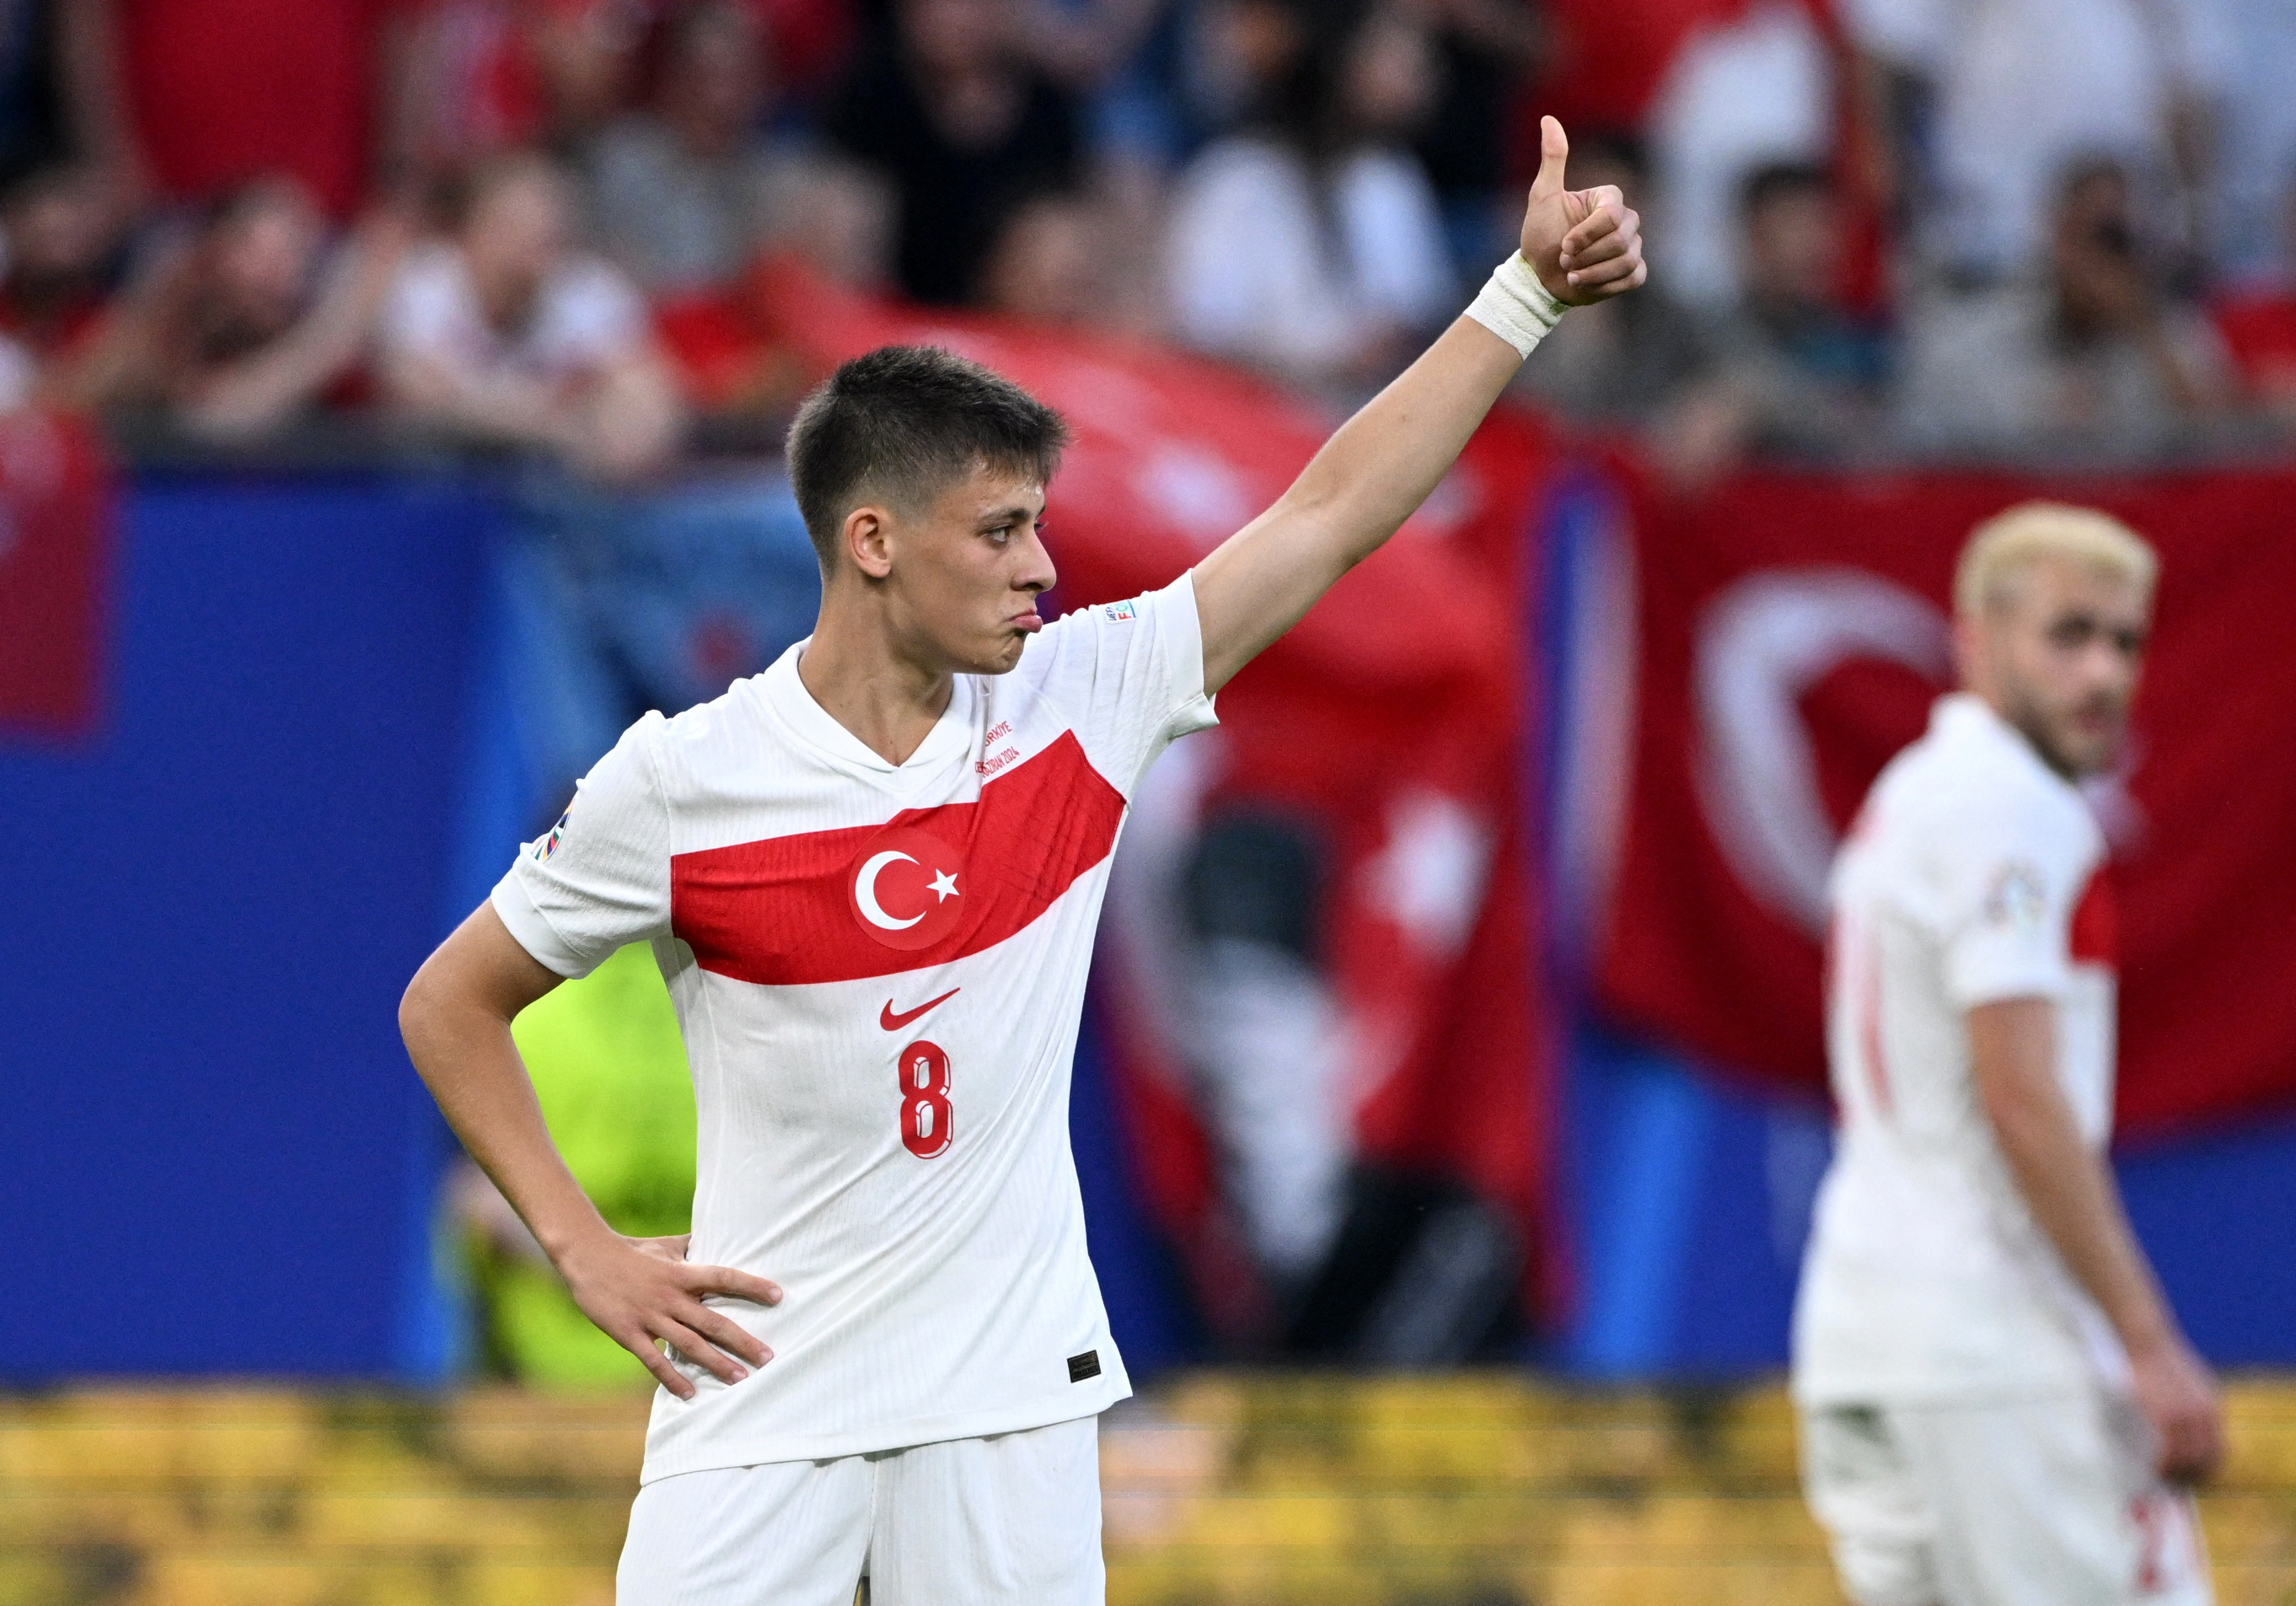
(868, 542)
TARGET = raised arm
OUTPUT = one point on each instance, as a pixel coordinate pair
(1583, 245)
(2066, 1185)
(456, 1017)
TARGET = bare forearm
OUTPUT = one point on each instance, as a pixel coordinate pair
(1353, 494)
(2064, 1183)
(2072, 1197)
(1381, 464)
(466, 1056)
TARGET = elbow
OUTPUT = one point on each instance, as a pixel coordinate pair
(417, 1008)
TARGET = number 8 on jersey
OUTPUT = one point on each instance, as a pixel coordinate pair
(926, 1119)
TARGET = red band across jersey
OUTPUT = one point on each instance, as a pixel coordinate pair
(927, 887)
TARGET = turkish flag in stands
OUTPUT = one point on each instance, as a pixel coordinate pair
(1791, 632)
(1389, 721)
(55, 507)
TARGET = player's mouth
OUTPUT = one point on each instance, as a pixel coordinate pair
(1031, 622)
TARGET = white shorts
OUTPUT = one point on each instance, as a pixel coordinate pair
(2031, 1502)
(1014, 1520)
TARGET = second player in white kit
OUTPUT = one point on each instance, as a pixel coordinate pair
(1972, 1432)
(871, 876)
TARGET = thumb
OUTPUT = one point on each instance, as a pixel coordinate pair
(1553, 150)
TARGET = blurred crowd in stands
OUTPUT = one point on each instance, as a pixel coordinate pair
(1878, 227)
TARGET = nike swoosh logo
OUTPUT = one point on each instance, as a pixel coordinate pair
(894, 1023)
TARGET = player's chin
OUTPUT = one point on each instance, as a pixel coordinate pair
(999, 653)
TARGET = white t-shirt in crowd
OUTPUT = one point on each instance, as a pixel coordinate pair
(584, 316)
(879, 970)
(2025, 86)
(1973, 875)
(1261, 266)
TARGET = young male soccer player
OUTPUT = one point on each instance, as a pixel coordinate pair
(1996, 1404)
(870, 875)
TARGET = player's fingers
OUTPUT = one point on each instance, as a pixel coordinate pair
(665, 1372)
(699, 1350)
(726, 1279)
(1618, 286)
(726, 1334)
(1612, 244)
(2186, 1451)
(1603, 220)
(1601, 274)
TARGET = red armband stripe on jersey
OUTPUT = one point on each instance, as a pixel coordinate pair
(835, 906)
(2095, 938)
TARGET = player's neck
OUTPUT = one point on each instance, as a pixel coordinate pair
(853, 669)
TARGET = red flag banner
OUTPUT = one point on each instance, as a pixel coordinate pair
(1391, 717)
(1792, 631)
(55, 510)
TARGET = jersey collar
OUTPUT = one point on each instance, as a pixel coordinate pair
(785, 692)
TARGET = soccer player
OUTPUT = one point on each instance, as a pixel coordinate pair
(871, 876)
(1996, 1403)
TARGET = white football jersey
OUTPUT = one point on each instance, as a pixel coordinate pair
(1974, 874)
(879, 971)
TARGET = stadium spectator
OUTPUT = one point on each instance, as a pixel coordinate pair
(965, 127)
(1617, 362)
(62, 232)
(2257, 321)
(2017, 89)
(684, 193)
(2099, 354)
(1049, 265)
(1483, 49)
(473, 79)
(1308, 242)
(1792, 368)
(506, 333)
(249, 324)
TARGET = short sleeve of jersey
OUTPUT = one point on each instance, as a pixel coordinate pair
(2011, 884)
(600, 877)
(1130, 675)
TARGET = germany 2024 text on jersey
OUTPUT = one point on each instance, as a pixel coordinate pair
(879, 970)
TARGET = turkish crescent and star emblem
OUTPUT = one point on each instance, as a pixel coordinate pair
(906, 888)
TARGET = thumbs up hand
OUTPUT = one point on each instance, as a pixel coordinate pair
(1585, 245)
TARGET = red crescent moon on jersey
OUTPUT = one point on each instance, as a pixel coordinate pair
(865, 892)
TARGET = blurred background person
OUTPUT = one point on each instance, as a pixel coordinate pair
(468, 79)
(1792, 368)
(1050, 264)
(1997, 1402)
(62, 234)
(506, 333)
(1484, 50)
(947, 104)
(1982, 103)
(251, 323)
(2256, 318)
(683, 193)
(2096, 351)
(1307, 241)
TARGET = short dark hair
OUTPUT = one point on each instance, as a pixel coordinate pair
(1781, 180)
(903, 422)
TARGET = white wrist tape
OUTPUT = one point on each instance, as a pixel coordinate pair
(1514, 306)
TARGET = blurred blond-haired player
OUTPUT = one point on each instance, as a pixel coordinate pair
(1997, 1405)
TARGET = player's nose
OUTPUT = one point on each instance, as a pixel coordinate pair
(1037, 572)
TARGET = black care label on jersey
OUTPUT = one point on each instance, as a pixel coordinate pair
(1083, 1366)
